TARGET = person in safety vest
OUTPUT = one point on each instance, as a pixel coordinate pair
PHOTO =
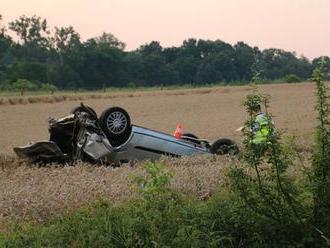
(262, 127)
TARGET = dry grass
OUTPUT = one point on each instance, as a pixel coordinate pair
(32, 193)
(209, 113)
(15, 100)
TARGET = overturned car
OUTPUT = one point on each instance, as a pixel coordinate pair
(112, 139)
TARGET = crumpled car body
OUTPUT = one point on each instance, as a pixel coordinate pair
(111, 139)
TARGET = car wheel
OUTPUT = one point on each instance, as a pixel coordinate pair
(85, 109)
(224, 146)
(116, 124)
(191, 138)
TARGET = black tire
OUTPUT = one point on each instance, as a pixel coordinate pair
(188, 136)
(224, 146)
(116, 124)
(86, 109)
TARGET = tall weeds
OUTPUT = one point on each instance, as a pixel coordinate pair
(264, 186)
(321, 156)
(263, 183)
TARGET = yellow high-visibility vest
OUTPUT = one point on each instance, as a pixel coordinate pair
(261, 129)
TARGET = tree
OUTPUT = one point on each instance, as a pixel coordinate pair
(207, 48)
(325, 61)
(31, 30)
(6, 57)
(65, 40)
(155, 70)
(277, 63)
(63, 59)
(244, 61)
(23, 85)
(187, 62)
(48, 87)
(171, 54)
(5, 40)
(34, 39)
(2, 27)
(33, 71)
(189, 48)
(64, 77)
(153, 47)
(132, 69)
(217, 68)
(187, 69)
(108, 40)
(292, 78)
(99, 64)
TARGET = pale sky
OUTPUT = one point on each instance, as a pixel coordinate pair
(302, 26)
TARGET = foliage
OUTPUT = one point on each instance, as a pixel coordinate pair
(131, 85)
(161, 218)
(22, 85)
(321, 155)
(154, 183)
(292, 78)
(256, 77)
(31, 30)
(277, 63)
(2, 27)
(64, 41)
(263, 185)
(48, 87)
(325, 62)
(60, 57)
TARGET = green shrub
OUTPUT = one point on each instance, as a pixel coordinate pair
(131, 85)
(48, 87)
(292, 79)
(165, 218)
(23, 85)
(262, 184)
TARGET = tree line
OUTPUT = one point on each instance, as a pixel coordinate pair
(58, 57)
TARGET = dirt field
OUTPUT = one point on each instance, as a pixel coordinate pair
(210, 113)
(31, 193)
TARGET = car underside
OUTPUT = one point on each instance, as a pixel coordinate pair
(112, 139)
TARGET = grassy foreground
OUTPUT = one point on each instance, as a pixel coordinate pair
(259, 204)
(217, 223)
(161, 217)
